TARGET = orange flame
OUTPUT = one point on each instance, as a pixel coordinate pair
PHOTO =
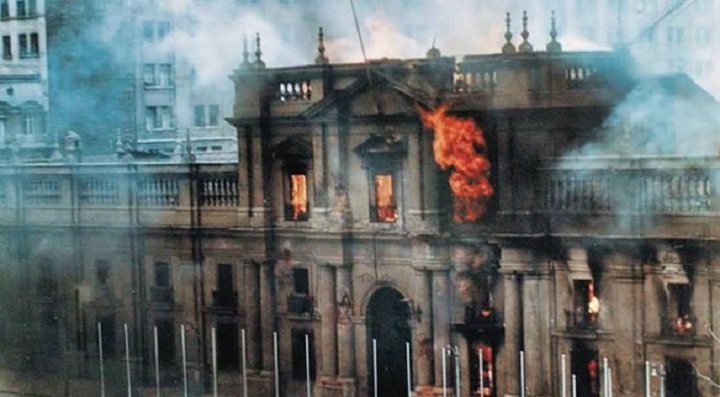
(298, 196)
(459, 145)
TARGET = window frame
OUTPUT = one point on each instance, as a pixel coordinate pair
(159, 118)
(374, 173)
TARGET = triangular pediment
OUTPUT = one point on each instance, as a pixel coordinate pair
(378, 96)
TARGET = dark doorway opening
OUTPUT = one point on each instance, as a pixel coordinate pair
(585, 366)
(388, 317)
(227, 346)
(486, 352)
(680, 378)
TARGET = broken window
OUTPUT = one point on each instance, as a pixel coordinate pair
(301, 353)
(296, 200)
(678, 308)
(586, 305)
(384, 208)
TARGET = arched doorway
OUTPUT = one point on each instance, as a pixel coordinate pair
(388, 322)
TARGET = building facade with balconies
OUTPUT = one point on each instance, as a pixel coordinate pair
(335, 228)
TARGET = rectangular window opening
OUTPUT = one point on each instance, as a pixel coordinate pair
(7, 47)
(162, 274)
(298, 197)
(301, 281)
(385, 206)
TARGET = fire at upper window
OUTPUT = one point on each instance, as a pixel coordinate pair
(385, 208)
(460, 145)
(298, 197)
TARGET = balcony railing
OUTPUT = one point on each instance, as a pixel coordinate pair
(225, 299)
(580, 321)
(300, 304)
(604, 187)
(162, 295)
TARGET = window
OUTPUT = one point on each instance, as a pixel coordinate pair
(199, 116)
(166, 342)
(4, 9)
(586, 305)
(158, 75)
(2, 131)
(302, 349)
(225, 277)
(7, 47)
(675, 35)
(162, 274)
(213, 115)
(702, 36)
(159, 118)
(215, 148)
(207, 116)
(297, 205)
(155, 30)
(29, 45)
(102, 269)
(31, 124)
(163, 28)
(384, 208)
(678, 308)
(21, 8)
(32, 8)
(301, 281)
(148, 31)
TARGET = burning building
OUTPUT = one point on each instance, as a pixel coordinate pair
(518, 203)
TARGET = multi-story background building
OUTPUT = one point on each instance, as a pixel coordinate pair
(24, 80)
(337, 227)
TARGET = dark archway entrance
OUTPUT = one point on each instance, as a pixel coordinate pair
(388, 322)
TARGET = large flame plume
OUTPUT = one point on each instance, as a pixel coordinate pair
(459, 145)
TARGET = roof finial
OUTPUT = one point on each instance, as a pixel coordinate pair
(525, 46)
(553, 45)
(258, 53)
(509, 47)
(245, 53)
(433, 52)
(321, 58)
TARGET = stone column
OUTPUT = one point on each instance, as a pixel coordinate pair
(326, 303)
(536, 333)
(267, 313)
(345, 329)
(252, 317)
(423, 346)
(512, 262)
(441, 319)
